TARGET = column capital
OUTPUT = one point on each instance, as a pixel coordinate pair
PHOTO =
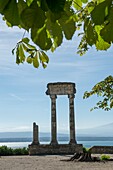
(71, 96)
(53, 96)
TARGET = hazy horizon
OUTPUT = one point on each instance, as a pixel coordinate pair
(99, 131)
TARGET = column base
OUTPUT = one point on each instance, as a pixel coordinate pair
(35, 143)
(54, 143)
(72, 142)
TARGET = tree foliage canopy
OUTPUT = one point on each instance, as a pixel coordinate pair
(50, 21)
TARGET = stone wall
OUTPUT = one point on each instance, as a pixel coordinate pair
(101, 149)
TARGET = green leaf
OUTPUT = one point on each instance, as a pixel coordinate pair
(25, 47)
(44, 5)
(21, 53)
(29, 59)
(43, 57)
(100, 43)
(3, 4)
(68, 25)
(29, 2)
(84, 1)
(21, 6)
(44, 65)
(90, 7)
(35, 61)
(33, 16)
(29, 48)
(100, 1)
(107, 31)
(55, 33)
(100, 12)
(17, 56)
(11, 13)
(77, 4)
(53, 16)
(91, 35)
(111, 104)
(40, 38)
(56, 5)
(25, 40)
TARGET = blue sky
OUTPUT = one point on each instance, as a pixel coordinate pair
(22, 88)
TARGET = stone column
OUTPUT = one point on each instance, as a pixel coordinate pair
(35, 134)
(72, 119)
(53, 120)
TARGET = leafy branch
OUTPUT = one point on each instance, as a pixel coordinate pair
(103, 89)
(57, 20)
(27, 52)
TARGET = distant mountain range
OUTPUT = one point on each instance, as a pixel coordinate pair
(100, 131)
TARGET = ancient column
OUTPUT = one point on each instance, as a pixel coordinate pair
(35, 134)
(53, 120)
(71, 119)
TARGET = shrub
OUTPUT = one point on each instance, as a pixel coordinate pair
(105, 157)
(86, 150)
(5, 151)
(20, 151)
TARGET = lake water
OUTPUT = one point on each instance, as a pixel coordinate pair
(86, 141)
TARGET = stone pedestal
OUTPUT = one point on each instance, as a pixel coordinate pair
(62, 149)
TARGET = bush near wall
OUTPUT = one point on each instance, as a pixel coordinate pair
(6, 151)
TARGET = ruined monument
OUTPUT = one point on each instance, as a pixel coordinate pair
(54, 89)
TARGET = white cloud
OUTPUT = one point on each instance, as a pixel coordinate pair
(17, 97)
(22, 128)
(16, 129)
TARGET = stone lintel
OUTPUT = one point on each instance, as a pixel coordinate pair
(61, 88)
(71, 96)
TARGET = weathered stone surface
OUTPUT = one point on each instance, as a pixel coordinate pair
(55, 149)
(101, 149)
(72, 119)
(35, 134)
(35, 148)
(53, 120)
(61, 88)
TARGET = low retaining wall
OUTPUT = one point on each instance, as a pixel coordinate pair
(101, 149)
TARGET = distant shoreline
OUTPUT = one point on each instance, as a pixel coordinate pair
(86, 141)
(47, 139)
